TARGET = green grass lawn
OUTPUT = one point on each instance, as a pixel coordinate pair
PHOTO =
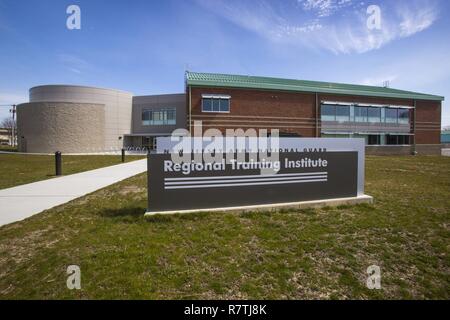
(17, 169)
(291, 254)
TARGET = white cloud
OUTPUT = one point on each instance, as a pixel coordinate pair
(73, 63)
(74, 70)
(324, 8)
(338, 26)
(417, 20)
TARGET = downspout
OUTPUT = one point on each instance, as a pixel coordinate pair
(317, 115)
(190, 114)
(414, 152)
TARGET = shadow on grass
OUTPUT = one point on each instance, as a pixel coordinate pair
(159, 218)
(365, 207)
(306, 211)
(127, 212)
(164, 218)
(134, 214)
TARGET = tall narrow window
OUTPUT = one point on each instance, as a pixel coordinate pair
(207, 104)
(328, 112)
(171, 116)
(391, 115)
(216, 105)
(145, 118)
(361, 114)
(224, 105)
(374, 114)
(342, 113)
(403, 116)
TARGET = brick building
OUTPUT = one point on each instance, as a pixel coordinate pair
(86, 119)
(390, 120)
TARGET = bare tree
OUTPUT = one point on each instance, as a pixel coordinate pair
(9, 124)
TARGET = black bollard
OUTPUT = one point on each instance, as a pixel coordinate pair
(58, 164)
(123, 155)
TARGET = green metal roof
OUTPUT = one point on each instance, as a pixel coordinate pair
(240, 81)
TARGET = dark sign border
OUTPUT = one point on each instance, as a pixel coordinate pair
(337, 180)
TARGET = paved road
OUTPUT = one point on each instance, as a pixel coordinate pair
(23, 201)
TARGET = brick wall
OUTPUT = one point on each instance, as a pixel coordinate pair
(428, 123)
(289, 112)
(295, 113)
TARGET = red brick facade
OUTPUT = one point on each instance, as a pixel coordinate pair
(428, 122)
(295, 112)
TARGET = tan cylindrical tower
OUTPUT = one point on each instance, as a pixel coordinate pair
(73, 119)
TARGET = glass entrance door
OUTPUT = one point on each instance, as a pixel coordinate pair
(149, 143)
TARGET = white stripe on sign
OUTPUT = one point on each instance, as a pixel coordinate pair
(248, 176)
(260, 178)
(241, 184)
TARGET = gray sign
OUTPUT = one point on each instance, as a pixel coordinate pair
(301, 177)
(169, 145)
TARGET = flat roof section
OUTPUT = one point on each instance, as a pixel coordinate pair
(253, 82)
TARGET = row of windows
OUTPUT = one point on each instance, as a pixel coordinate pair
(375, 139)
(339, 113)
(159, 117)
(364, 114)
(390, 140)
(215, 104)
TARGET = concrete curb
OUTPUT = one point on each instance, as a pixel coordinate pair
(278, 206)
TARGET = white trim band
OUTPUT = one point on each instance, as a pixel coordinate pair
(242, 184)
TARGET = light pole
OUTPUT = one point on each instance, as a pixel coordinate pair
(13, 130)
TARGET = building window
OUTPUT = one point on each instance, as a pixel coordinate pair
(207, 105)
(342, 113)
(403, 116)
(328, 112)
(374, 140)
(145, 117)
(397, 140)
(360, 114)
(374, 114)
(215, 103)
(391, 115)
(289, 135)
(224, 105)
(159, 117)
(338, 113)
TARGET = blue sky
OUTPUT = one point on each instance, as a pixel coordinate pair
(145, 46)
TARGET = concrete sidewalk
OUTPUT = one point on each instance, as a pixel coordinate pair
(23, 201)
